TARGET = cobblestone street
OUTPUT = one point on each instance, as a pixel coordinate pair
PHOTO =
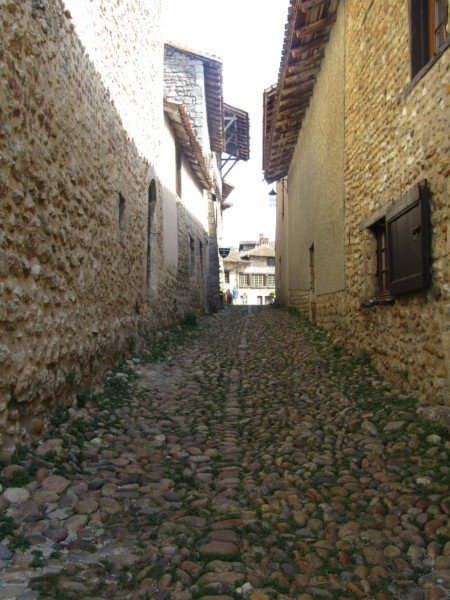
(248, 457)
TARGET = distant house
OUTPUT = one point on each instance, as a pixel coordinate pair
(356, 137)
(252, 271)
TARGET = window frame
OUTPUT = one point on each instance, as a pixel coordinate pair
(417, 196)
(271, 278)
(379, 229)
(192, 255)
(423, 49)
(407, 223)
(244, 280)
(261, 277)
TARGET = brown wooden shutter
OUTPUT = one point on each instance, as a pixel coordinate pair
(408, 232)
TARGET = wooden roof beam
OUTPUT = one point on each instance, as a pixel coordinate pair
(306, 63)
(316, 43)
(316, 26)
(308, 4)
(292, 79)
(296, 89)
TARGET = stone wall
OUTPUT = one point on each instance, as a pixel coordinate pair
(394, 138)
(301, 301)
(79, 283)
(330, 312)
(184, 82)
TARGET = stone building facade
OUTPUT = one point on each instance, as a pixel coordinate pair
(361, 163)
(252, 272)
(98, 247)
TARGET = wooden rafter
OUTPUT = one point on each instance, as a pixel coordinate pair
(316, 43)
(306, 34)
(316, 26)
(309, 4)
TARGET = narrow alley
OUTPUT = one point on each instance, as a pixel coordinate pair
(246, 457)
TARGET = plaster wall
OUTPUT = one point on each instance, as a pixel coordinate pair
(282, 246)
(315, 178)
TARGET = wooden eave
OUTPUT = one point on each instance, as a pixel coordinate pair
(227, 188)
(237, 127)
(188, 142)
(285, 104)
(214, 96)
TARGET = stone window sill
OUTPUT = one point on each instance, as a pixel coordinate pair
(377, 302)
(424, 70)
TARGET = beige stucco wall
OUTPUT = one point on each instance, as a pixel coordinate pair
(393, 141)
(315, 179)
(282, 245)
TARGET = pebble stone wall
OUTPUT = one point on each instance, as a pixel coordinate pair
(395, 136)
(393, 139)
(73, 259)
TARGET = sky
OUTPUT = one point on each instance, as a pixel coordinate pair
(247, 35)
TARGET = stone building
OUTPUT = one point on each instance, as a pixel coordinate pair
(252, 271)
(110, 195)
(356, 136)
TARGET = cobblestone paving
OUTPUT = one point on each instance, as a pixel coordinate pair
(247, 458)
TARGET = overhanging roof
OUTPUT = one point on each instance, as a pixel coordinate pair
(306, 33)
(214, 95)
(188, 142)
(227, 188)
(237, 141)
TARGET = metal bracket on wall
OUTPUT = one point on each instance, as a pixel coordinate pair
(224, 161)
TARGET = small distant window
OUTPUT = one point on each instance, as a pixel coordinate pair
(227, 276)
(271, 261)
(192, 251)
(258, 281)
(178, 169)
(244, 280)
(121, 212)
(200, 248)
(271, 281)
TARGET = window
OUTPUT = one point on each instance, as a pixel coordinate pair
(178, 171)
(271, 281)
(200, 249)
(258, 281)
(192, 250)
(403, 244)
(121, 212)
(408, 240)
(244, 280)
(382, 259)
(227, 276)
(151, 273)
(271, 261)
(428, 31)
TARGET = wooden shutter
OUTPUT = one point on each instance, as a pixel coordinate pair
(408, 233)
